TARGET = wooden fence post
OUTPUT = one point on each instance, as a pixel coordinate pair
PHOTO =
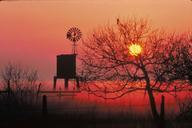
(38, 91)
(9, 89)
(175, 89)
(44, 105)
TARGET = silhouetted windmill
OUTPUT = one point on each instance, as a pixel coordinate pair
(66, 63)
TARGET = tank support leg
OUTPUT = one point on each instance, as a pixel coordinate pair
(54, 82)
(66, 83)
(77, 81)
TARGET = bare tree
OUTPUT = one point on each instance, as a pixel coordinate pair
(20, 83)
(180, 66)
(185, 107)
(108, 59)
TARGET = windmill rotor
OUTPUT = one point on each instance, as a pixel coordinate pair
(74, 34)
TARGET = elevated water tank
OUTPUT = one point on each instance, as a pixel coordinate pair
(66, 66)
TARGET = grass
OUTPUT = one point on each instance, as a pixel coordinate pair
(30, 116)
(86, 120)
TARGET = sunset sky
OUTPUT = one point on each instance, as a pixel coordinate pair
(32, 33)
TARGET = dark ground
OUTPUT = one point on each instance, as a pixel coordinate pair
(13, 115)
(85, 120)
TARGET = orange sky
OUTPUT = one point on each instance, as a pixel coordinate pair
(33, 32)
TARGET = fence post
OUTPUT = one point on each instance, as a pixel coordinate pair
(162, 112)
(38, 91)
(105, 95)
(8, 89)
(175, 89)
(44, 105)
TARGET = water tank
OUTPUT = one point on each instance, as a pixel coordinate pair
(66, 66)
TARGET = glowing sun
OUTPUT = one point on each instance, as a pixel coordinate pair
(135, 49)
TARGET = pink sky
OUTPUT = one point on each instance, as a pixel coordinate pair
(33, 32)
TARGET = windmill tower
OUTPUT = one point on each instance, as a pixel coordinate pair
(66, 63)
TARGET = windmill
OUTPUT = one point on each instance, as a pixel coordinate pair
(74, 35)
(66, 63)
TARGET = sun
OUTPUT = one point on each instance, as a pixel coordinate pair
(135, 49)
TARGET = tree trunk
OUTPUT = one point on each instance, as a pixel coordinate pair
(156, 116)
(152, 103)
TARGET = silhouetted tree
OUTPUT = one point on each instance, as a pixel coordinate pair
(20, 83)
(107, 60)
(185, 108)
(179, 66)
